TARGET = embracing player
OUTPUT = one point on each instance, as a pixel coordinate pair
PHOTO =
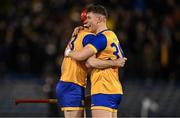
(70, 88)
(106, 89)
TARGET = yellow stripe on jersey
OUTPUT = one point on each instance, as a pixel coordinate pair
(73, 71)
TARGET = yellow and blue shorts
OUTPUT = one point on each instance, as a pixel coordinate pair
(109, 102)
(70, 96)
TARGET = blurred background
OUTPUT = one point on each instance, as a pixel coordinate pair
(33, 36)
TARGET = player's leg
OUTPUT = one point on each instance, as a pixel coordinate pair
(101, 113)
(71, 99)
(74, 113)
(114, 115)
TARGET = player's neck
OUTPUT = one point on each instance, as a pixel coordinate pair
(101, 27)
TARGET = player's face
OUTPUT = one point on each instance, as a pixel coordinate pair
(92, 21)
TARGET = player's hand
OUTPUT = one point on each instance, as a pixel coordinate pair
(89, 61)
(76, 30)
(87, 65)
(120, 62)
(67, 51)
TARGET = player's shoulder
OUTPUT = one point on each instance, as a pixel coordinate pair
(111, 35)
(108, 32)
(85, 32)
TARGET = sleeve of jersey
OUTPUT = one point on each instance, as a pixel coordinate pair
(98, 43)
(87, 39)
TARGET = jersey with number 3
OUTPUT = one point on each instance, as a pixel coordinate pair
(107, 47)
(74, 71)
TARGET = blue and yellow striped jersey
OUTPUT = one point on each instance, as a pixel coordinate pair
(74, 71)
(107, 46)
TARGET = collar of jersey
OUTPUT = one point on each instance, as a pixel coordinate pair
(102, 31)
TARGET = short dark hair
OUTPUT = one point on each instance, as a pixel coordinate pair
(97, 9)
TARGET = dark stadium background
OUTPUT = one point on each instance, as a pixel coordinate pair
(34, 33)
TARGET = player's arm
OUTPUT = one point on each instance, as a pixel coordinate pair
(76, 30)
(94, 62)
(96, 44)
(81, 55)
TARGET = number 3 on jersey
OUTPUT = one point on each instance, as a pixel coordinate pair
(72, 42)
(118, 48)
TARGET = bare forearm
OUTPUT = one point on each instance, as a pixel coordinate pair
(104, 64)
(77, 56)
(101, 64)
(81, 55)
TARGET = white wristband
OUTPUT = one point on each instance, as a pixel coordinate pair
(67, 51)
